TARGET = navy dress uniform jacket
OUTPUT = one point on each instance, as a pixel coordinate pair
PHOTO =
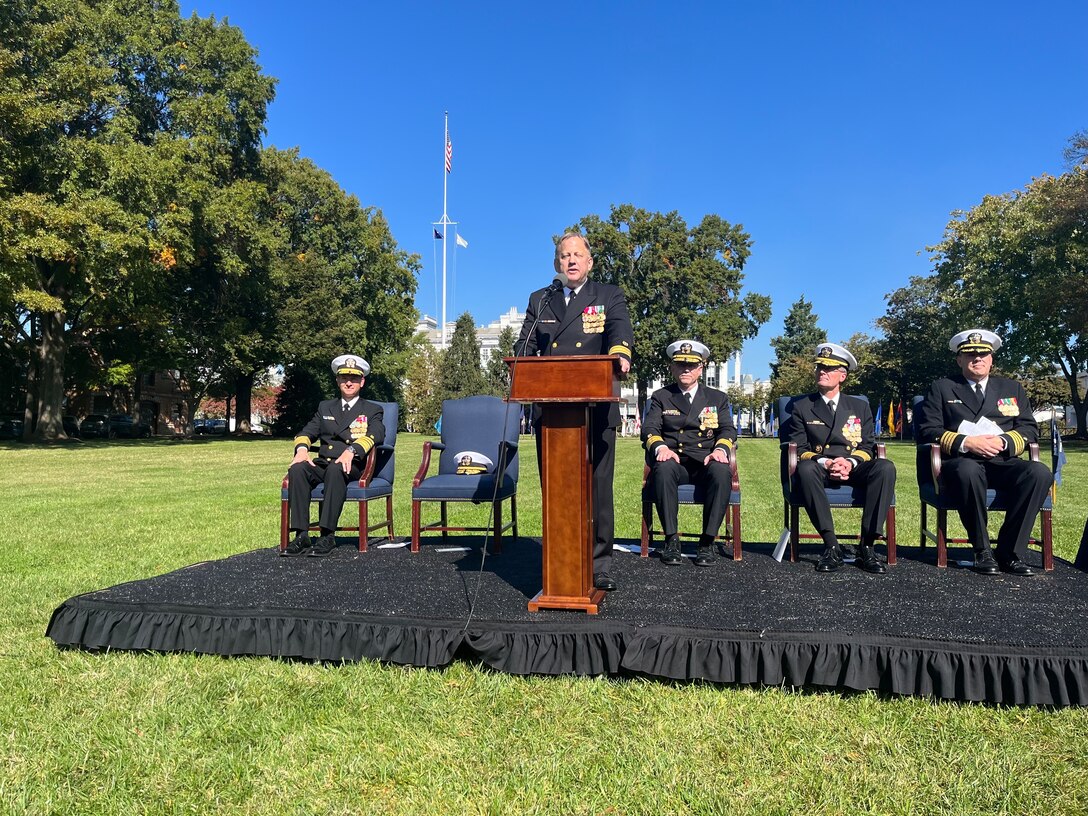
(691, 430)
(334, 430)
(817, 434)
(952, 400)
(595, 322)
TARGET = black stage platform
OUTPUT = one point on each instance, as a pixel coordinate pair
(918, 630)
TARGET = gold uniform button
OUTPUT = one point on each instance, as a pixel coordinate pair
(555, 345)
(578, 345)
(819, 448)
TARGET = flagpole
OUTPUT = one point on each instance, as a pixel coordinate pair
(447, 152)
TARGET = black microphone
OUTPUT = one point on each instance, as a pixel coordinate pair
(559, 283)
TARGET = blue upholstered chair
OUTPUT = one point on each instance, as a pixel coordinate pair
(485, 425)
(929, 462)
(375, 482)
(840, 497)
(693, 494)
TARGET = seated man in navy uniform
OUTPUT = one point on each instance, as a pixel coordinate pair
(984, 452)
(585, 317)
(344, 429)
(835, 445)
(689, 437)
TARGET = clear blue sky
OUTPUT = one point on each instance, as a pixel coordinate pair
(840, 135)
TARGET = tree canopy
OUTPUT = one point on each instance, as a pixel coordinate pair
(678, 282)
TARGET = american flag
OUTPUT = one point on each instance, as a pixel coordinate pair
(449, 153)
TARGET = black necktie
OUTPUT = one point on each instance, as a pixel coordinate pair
(689, 396)
(978, 390)
(570, 296)
(831, 406)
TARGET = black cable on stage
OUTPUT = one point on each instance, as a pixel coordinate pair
(559, 282)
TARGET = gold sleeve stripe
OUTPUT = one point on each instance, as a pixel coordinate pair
(626, 352)
(810, 455)
(1018, 444)
(862, 455)
(728, 443)
(653, 440)
(303, 440)
(948, 439)
(365, 442)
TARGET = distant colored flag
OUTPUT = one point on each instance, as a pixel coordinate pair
(891, 417)
(1057, 450)
(772, 426)
(876, 421)
(899, 419)
(461, 242)
(438, 235)
(449, 153)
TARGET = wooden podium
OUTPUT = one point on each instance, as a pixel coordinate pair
(564, 388)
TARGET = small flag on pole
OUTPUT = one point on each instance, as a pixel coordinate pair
(891, 417)
(876, 421)
(449, 153)
(438, 235)
(774, 430)
(899, 419)
(461, 242)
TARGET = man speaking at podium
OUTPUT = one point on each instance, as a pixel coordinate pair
(576, 316)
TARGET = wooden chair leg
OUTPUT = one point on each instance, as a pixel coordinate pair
(283, 525)
(795, 530)
(514, 514)
(389, 514)
(364, 524)
(415, 525)
(1048, 541)
(737, 551)
(444, 518)
(942, 543)
(925, 527)
(889, 533)
(647, 518)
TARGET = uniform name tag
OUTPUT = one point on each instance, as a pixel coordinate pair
(954, 402)
(331, 419)
(815, 422)
(670, 412)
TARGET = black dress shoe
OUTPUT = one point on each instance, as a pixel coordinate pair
(831, 560)
(602, 580)
(866, 559)
(297, 546)
(323, 546)
(704, 557)
(1014, 566)
(848, 551)
(985, 563)
(671, 555)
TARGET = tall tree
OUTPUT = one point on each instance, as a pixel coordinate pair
(120, 120)
(678, 282)
(497, 373)
(461, 374)
(1019, 263)
(801, 333)
(422, 400)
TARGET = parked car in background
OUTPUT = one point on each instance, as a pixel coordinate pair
(200, 426)
(216, 426)
(113, 426)
(94, 425)
(11, 426)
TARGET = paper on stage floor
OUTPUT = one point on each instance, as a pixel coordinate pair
(984, 427)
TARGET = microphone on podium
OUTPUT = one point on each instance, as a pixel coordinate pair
(558, 284)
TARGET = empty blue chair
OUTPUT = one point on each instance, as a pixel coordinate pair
(486, 425)
(375, 482)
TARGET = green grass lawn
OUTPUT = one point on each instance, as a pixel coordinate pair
(165, 734)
